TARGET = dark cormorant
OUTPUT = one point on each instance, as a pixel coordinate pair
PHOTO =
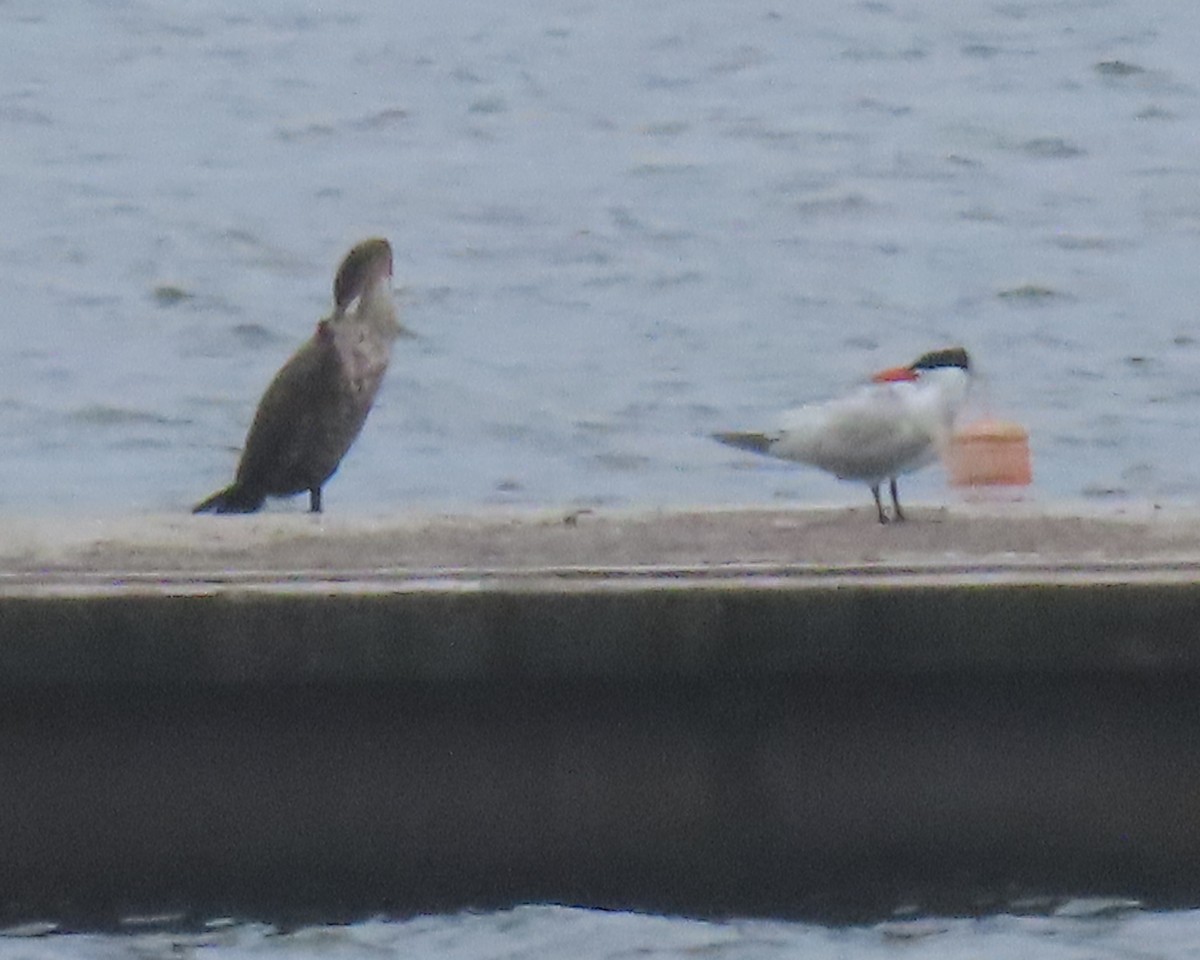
(314, 408)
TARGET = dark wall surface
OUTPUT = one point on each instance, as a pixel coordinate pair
(799, 796)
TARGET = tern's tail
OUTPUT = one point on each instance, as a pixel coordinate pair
(757, 442)
(233, 499)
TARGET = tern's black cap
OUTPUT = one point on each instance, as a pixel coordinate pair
(949, 357)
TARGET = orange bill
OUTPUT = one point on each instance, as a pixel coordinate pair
(895, 375)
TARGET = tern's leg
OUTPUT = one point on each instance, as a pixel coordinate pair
(896, 500)
(314, 499)
(883, 517)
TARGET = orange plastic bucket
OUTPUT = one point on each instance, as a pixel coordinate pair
(990, 453)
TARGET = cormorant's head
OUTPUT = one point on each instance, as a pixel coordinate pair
(366, 264)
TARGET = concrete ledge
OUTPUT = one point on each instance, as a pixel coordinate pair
(798, 713)
(281, 544)
(593, 624)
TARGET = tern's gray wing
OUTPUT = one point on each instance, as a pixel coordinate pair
(869, 435)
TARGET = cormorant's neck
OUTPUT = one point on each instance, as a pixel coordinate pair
(375, 307)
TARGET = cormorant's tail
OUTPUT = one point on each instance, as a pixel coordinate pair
(756, 442)
(233, 499)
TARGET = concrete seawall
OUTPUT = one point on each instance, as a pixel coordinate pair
(790, 712)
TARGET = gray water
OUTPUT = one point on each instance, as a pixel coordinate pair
(1076, 930)
(619, 226)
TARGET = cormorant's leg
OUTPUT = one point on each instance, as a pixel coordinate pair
(883, 518)
(314, 499)
(896, 501)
